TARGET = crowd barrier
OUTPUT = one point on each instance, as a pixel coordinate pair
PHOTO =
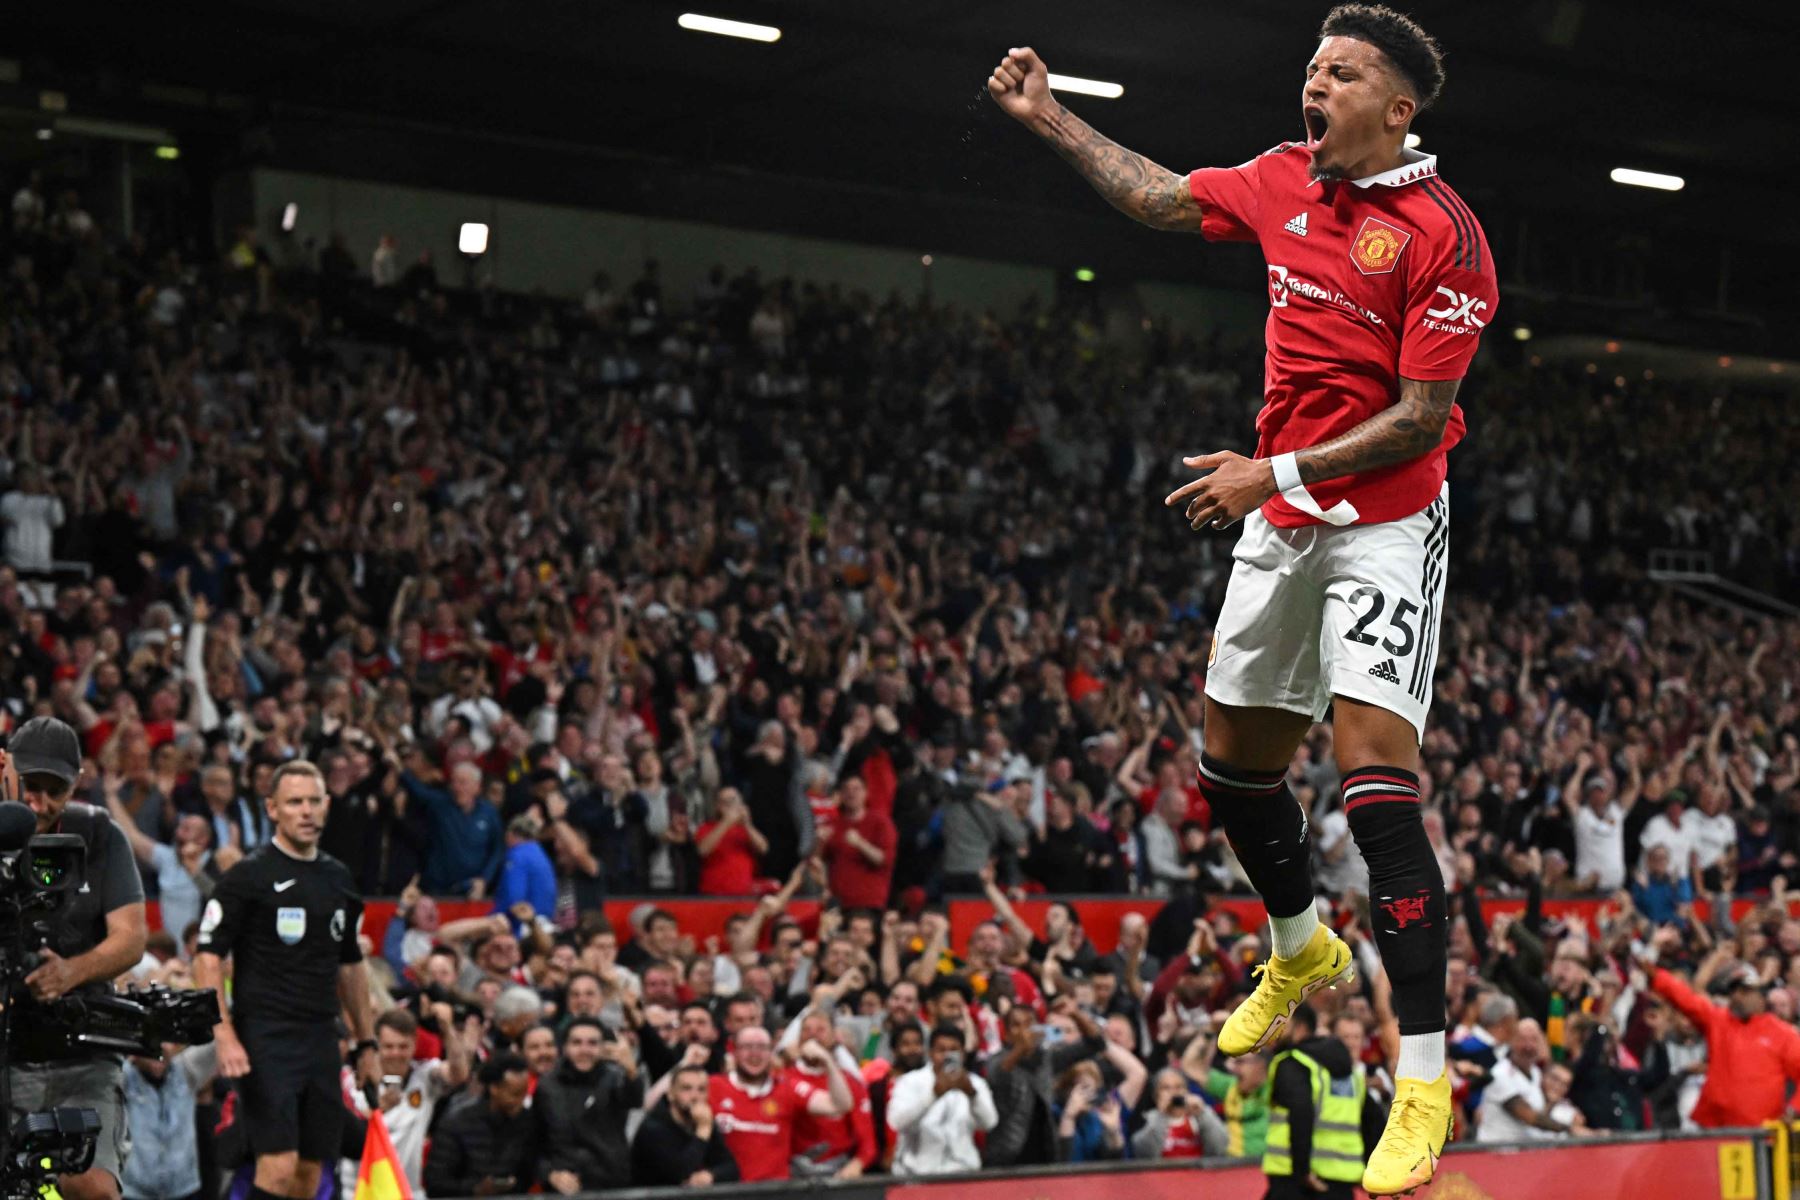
(1100, 915)
(1717, 1165)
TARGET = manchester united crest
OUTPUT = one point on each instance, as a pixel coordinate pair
(1377, 247)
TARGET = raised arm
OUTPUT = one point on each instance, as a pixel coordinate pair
(1131, 183)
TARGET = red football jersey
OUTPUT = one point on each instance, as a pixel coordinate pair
(1369, 280)
(758, 1122)
(823, 1138)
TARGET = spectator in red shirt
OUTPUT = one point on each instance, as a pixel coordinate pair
(1752, 1054)
(730, 848)
(860, 854)
(836, 1147)
(756, 1108)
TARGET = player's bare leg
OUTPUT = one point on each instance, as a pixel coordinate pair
(287, 1174)
(1378, 756)
(1243, 775)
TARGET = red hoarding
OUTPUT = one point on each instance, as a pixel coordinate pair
(1712, 1168)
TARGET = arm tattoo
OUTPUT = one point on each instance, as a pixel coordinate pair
(1410, 428)
(1131, 183)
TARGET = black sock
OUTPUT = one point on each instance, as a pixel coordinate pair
(1267, 830)
(1406, 891)
(257, 1193)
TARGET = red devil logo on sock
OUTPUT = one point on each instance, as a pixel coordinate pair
(1407, 910)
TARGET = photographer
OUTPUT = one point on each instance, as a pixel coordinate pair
(98, 934)
(289, 917)
(937, 1109)
(1181, 1125)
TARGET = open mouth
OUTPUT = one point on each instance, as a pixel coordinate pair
(1316, 124)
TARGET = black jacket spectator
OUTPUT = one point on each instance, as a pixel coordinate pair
(581, 1122)
(491, 1140)
(667, 1153)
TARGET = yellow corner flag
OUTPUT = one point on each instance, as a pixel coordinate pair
(380, 1177)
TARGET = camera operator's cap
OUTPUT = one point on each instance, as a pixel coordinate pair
(46, 746)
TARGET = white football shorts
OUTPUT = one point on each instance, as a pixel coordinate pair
(1328, 610)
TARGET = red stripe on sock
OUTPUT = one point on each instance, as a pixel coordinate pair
(1380, 798)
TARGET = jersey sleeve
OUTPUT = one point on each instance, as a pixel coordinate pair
(1229, 199)
(1451, 297)
(223, 920)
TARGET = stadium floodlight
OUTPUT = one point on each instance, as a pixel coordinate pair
(473, 239)
(1632, 177)
(1521, 333)
(728, 28)
(168, 153)
(1086, 87)
(290, 216)
(44, 135)
(1084, 274)
(1412, 141)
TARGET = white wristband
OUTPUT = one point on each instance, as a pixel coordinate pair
(1287, 471)
(1293, 490)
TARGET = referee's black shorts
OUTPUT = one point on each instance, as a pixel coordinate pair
(293, 1097)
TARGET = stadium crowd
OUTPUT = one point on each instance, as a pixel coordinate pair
(779, 591)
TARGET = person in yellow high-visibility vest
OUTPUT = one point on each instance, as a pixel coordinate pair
(1315, 1144)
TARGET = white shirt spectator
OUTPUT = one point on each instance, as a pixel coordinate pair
(1713, 837)
(1510, 1083)
(1600, 846)
(936, 1134)
(28, 209)
(409, 1120)
(384, 264)
(31, 521)
(1347, 872)
(480, 712)
(1677, 836)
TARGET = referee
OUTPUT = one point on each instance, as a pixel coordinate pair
(289, 917)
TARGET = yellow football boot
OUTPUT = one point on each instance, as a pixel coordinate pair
(1418, 1125)
(1283, 984)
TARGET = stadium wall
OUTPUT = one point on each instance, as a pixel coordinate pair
(1100, 916)
(557, 249)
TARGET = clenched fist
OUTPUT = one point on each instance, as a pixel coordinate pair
(1021, 85)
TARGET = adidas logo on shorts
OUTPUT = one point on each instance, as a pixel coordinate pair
(1385, 671)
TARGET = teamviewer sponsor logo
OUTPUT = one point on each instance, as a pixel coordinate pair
(1284, 283)
(1458, 313)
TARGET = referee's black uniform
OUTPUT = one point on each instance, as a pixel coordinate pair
(288, 924)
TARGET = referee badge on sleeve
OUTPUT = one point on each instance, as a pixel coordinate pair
(290, 924)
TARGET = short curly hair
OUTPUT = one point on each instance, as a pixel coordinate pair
(1413, 52)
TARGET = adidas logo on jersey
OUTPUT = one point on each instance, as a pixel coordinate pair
(1385, 671)
(1297, 225)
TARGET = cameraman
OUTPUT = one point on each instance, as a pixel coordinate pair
(98, 934)
(290, 917)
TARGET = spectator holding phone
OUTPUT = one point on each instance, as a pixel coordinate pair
(1181, 1125)
(936, 1110)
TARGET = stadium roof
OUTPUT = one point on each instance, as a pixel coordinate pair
(1544, 98)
